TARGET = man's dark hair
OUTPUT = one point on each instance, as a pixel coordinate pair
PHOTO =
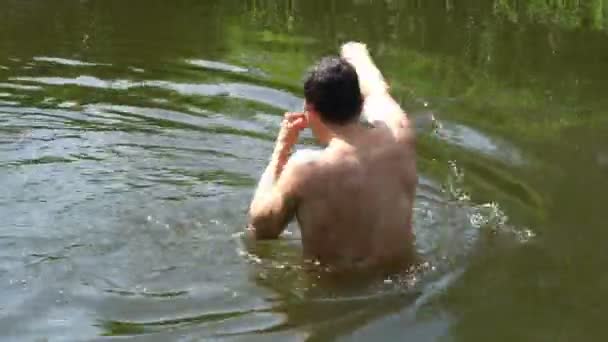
(332, 88)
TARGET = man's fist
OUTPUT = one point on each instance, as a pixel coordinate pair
(291, 126)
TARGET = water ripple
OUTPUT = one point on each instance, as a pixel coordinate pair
(214, 65)
(64, 61)
(273, 97)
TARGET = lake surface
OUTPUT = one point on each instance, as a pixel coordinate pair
(132, 134)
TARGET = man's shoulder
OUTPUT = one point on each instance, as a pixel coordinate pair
(401, 133)
(304, 157)
(406, 132)
(301, 165)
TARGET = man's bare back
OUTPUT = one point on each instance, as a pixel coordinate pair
(355, 205)
(353, 202)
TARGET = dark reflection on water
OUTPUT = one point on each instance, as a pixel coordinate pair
(132, 135)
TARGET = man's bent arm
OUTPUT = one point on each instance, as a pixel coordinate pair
(274, 201)
(378, 105)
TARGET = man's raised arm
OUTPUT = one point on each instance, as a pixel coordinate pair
(378, 105)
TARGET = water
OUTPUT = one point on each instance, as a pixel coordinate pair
(132, 136)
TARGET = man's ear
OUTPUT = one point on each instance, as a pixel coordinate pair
(308, 107)
(313, 118)
(319, 129)
(309, 111)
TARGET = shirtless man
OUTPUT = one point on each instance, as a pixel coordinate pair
(353, 200)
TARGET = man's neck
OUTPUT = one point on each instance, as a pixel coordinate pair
(349, 133)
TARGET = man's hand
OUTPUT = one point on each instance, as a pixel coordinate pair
(292, 125)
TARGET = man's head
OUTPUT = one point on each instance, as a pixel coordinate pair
(332, 92)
